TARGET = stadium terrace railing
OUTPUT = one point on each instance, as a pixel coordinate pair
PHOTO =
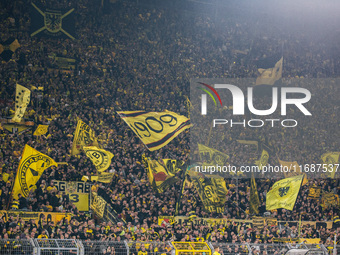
(105, 247)
(79, 247)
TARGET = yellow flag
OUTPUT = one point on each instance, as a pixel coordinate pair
(263, 161)
(293, 168)
(210, 156)
(32, 165)
(212, 191)
(85, 178)
(83, 136)
(155, 129)
(314, 192)
(41, 130)
(330, 159)
(103, 177)
(271, 75)
(330, 200)
(284, 193)
(22, 99)
(99, 157)
(254, 197)
(98, 204)
(249, 142)
(162, 173)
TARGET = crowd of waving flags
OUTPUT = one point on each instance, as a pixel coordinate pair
(156, 130)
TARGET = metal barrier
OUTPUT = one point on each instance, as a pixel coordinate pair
(152, 248)
(57, 246)
(71, 246)
(105, 247)
(257, 248)
(16, 246)
(233, 248)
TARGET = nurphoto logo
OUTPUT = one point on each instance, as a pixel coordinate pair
(278, 95)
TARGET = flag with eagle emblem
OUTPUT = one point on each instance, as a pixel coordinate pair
(31, 166)
(283, 194)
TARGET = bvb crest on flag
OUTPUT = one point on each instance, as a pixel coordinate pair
(99, 157)
(83, 136)
(32, 165)
(41, 130)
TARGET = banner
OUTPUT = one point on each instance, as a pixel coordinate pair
(330, 159)
(161, 174)
(83, 136)
(77, 192)
(211, 222)
(98, 205)
(52, 22)
(99, 157)
(314, 192)
(155, 129)
(103, 177)
(271, 75)
(263, 161)
(249, 142)
(31, 166)
(22, 99)
(36, 216)
(41, 130)
(283, 194)
(212, 191)
(7, 48)
(329, 200)
(259, 222)
(210, 157)
(72, 187)
(254, 201)
(17, 128)
(63, 63)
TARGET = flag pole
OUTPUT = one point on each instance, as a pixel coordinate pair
(300, 226)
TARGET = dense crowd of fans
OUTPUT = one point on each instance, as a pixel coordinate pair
(142, 58)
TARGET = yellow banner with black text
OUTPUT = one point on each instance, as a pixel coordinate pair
(36, 216)
(155, 129)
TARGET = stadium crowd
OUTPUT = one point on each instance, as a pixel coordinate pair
(142, 58)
